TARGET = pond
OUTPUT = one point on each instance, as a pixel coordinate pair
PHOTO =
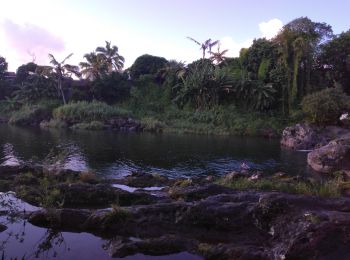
(112, 154)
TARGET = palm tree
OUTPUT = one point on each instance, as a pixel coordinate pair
(62, 70)
(207, 45)
(94, 66)
(218, 56)
(111, 57)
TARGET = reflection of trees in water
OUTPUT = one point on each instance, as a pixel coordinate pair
(48, 243)
(12, 213)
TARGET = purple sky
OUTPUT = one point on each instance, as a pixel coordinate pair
(31, 29)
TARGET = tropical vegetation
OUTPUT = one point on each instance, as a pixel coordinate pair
(304, 70)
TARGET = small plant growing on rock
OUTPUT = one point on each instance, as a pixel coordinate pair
(116, 215)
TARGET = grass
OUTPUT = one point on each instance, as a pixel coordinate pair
(116, 215)
(86, 112)
(152, 124)
(29, 114)
(221, 120)
(329, 188)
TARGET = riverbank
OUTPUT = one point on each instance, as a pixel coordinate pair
(216, 218)
(100, 116)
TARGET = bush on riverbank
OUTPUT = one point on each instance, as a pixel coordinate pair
(326, 106)
(85, 112)
(30, 114)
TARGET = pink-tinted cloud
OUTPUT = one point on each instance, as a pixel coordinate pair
(30, 41)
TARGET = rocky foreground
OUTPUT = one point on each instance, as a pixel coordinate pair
(154, 215)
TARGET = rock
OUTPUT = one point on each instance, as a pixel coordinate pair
(228, 225)
(255, 176)
(143, 180)
(68, 219)
(125, 124)
(280, 175)
(100, 195)
(308, 137)
(300, 137)
(164, 245)
(331, 157)
(2, 228)
(345, 119)
(234, 175)
(192, 193)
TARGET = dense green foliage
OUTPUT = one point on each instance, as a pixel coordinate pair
(146, 64)
(336, 54)
(326, 106)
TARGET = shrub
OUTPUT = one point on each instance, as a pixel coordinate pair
(30, 115)
(325, 107)
(151, 124)
(87, 112)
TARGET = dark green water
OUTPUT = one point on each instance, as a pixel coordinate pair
(113, 154)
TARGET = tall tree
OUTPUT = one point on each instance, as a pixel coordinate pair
(62, 70)
(94, 67)
(109, 54)
(205, 46)
(298, 44)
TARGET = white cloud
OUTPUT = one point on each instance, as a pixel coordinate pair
(270, 28)
(29, 41)
(233, 46)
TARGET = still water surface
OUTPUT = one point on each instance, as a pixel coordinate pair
(113, 154)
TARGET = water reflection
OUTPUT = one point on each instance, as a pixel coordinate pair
(118, 154)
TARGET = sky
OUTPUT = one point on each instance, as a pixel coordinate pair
(29, 30)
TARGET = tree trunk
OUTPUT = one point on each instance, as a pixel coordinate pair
(61, 89)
